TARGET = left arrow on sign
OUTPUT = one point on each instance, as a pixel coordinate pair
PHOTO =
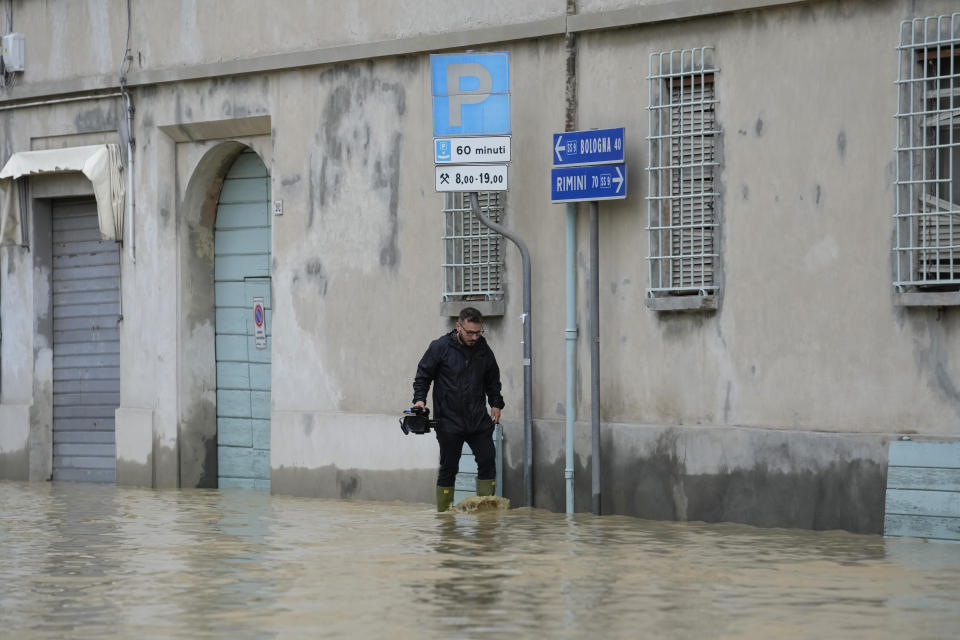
(558, 147)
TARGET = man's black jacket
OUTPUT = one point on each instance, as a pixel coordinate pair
(464, 379)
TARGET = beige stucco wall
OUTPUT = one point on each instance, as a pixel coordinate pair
(66, 39)
(807, 337)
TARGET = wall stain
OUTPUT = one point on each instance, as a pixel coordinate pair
(314, 188)
(329, 481)
(97, 119)
(680, 326)
(15, 465)
(389, 253)
(317, 274)
(745, 192)
(842, 144)
(726, 404)
(178, 107)
(845, 494)
(818, 194)
(306, 424)
(210, 469)
(166, 472)
(933, 358)
(6, 140)
(348, 483)
(352, 140)
(135, 474)
(657, 481)
(291, 180)
(164, 189)
(197, 454)
(656, 484)
(758, 127)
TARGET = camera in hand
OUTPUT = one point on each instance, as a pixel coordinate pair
(416, 419)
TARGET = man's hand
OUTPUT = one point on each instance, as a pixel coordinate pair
(495, 414)
(421, 404)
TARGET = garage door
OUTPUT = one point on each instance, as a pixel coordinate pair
(244, 321)
(86, 345)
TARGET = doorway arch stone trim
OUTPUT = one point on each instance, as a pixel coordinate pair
(196, 315)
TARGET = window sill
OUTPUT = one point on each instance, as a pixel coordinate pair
(488, 308)
(683, 303)
(927, 299)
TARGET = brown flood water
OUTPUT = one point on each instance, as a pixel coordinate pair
(88, 561)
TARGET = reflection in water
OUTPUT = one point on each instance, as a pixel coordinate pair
(92, 561)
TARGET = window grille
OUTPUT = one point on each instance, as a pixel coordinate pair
(682, 151)
(927, 238)
(473, 261)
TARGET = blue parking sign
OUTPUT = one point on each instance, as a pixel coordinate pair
(471, 94)
(444, 150)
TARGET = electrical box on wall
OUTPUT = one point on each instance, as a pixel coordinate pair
(12, 52)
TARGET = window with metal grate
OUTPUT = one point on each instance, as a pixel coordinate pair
(682, 151)
(473, 262)
(927, 239)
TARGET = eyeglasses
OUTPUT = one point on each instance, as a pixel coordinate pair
(472, 334)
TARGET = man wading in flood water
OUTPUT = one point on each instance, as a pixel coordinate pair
(465, 377)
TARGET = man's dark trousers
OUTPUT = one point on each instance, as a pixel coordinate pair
(451, 446)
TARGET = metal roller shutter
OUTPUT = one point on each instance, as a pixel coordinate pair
(86, 345)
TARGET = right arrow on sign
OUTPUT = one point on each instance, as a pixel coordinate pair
(618, 180)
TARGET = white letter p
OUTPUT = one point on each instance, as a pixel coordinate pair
(459, 97)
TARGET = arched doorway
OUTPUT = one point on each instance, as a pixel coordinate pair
(242, 295)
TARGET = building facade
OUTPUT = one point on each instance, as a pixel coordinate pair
(223, 253)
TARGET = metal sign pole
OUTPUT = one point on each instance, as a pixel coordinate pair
(589, 166)
(527, 375)
(595, 353)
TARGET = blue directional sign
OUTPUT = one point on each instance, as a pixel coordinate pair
(599, 146)
(471, 94)
(590, 182)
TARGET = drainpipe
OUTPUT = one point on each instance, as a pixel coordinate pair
(595, 353)
(39, 103)
(527, 341)
(571, 338)
(570, 124)
(124, 67)
(128, 227)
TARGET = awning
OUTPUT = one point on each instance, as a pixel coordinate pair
(100, 163)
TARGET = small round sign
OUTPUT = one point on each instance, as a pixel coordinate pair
(258, 315)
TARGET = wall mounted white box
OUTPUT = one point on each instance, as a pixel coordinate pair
(12, 52)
